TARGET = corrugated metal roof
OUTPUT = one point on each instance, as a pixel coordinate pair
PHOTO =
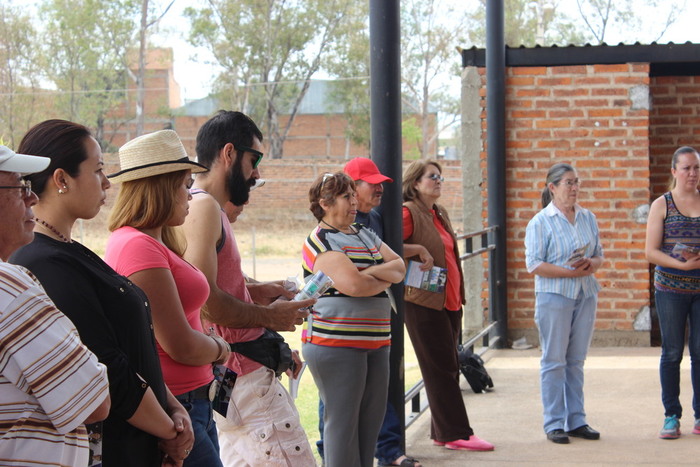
(203, 107)
(315, 101)
(668, 55)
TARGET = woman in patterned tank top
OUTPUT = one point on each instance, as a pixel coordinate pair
(673, 244)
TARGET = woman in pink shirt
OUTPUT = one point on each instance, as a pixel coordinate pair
(156, 175)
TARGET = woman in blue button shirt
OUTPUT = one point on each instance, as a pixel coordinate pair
(562, 249)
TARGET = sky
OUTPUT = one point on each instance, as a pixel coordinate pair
(195, 76)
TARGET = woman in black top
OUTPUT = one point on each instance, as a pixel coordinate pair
(146, 425)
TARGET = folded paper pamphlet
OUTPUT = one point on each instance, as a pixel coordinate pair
(577, 254)
(432, 280)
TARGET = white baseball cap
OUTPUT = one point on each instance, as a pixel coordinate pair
(24, 164)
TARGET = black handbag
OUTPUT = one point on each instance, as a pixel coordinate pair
(472, 367)
(270, 350)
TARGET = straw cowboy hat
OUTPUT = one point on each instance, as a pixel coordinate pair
(153, 154)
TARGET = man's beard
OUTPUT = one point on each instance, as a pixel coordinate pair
(239, 187)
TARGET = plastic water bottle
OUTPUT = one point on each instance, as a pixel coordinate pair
(315, 286)
(291, 284)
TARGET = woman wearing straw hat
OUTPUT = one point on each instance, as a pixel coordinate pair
(156, 175)
(108, 310)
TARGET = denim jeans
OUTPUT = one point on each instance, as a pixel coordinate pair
(388, 442)
(674, 311)
(205, 452)
(566, 329)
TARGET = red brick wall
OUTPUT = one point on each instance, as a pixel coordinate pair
(286, 190)
(285, 193)
(674, 122)
(581, 115)
(312, 135)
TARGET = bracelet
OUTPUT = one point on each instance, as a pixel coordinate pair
(223, 347)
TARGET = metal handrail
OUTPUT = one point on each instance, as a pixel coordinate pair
(469, 251)
(413, 396)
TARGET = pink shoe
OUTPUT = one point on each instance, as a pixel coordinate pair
(474, 443)
(438, 443)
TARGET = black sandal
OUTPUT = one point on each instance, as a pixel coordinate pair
(407, 462)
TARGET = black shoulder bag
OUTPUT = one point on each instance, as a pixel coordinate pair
(270, 350)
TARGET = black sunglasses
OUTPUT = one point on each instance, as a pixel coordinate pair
(256, 153)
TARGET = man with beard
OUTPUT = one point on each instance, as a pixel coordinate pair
(261, 425)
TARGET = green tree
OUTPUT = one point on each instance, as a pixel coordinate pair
(576, 22)
(19, 77)
(412, 135)
(431, 31)
(600, 15)
(139, 77)
(349, 63)
(429, 69)
(86, 45)
(528, 23)
(269, 50)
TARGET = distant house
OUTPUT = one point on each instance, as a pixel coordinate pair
(319, 128)
(318, 131)
(162, 95)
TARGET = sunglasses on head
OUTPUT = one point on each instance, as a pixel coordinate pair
(326, 176)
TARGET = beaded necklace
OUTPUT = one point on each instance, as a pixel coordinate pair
(54, 230)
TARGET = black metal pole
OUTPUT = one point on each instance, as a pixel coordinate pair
(496, 161)
(385, 122)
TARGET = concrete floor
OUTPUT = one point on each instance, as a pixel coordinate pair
(623, 402)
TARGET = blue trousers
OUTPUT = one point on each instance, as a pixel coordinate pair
(388, 442)
(676, 312)
(566, 329)
(205, 452)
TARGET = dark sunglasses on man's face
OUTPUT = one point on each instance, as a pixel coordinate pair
(256, 153)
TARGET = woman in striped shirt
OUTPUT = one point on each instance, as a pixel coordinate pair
(562, 249)
(347, 336)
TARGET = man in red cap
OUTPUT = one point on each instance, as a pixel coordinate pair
(369, 189)
(368, 185)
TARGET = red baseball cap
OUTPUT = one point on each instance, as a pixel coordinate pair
(362, 168)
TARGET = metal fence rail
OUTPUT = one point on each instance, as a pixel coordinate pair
(416, 395)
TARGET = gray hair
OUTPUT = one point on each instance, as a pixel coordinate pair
(555, 174)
